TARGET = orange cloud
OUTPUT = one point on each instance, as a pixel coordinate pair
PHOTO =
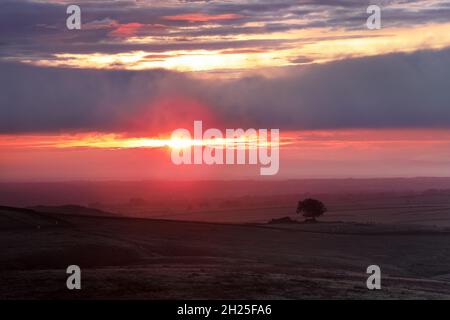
(201, 17)
(132, 28)
(127, 29)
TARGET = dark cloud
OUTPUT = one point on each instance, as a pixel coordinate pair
(396, 90)
(29, 28)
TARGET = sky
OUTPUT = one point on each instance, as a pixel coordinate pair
(348, 101)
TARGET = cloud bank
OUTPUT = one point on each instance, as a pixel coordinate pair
(390, 91)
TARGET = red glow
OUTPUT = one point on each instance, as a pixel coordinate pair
(201, 17)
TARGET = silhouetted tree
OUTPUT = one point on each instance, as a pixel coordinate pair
(311, 209)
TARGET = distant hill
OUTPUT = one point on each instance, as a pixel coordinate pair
(73, 210)
(22, 194)
(21, 218)
(43, 216)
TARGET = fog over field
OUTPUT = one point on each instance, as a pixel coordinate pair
(140, 244)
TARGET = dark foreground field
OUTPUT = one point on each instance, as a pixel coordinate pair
(129, 258)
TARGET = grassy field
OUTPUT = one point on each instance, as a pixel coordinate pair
(127, 258)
